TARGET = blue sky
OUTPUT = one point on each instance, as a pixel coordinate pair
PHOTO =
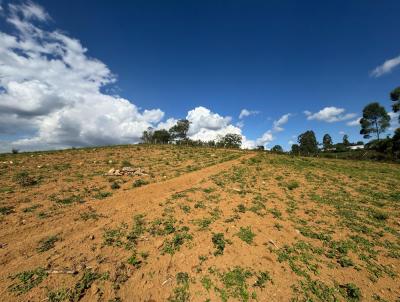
(273, 57)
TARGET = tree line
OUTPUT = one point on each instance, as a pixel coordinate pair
(374, 122)
(177, 134)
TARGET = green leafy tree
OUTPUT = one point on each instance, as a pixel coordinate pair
(396, 142)
(308, 143)
(346, 140)
(295, 150)
(179, 130)
(327, 141)
(147, 136)
(161, 136)
(395, 97)
(230, 140)
(375, 120)
(277, 149)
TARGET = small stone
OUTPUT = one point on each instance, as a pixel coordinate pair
(128, 169)
(91, 237)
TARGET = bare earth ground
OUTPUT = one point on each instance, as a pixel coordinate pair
(204, 225)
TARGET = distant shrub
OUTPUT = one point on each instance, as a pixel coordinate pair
(14, 151)
(102, 195)
(6, 210)
(378, 215)
(351, 291)
(115, 186)
(292, 185)
(139, 182)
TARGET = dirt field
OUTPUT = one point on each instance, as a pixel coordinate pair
(198, 225)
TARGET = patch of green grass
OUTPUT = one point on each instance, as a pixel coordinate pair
(102, 195)
(345, 262)
(206, 282)
(31, 208)
(181, 292)
(185, 208)
(219, 243)
(162, 227)
(246, 235)
(6, 210)
(138, 229)
(232, 218)
(170, 246)
(241, 208)
(199, 205)
(47, 243)
(58, 295)
(80, 288)
(318, 291)
(43, 215)
(139, 182)
(67, 200)
(113, 237)
(114, 185)
(133, 260)
(89, 215)
(62, 167)
(27, 280)
(203, 224)
(291, 185)
(379, 215)
(351, 292)
(262, 279)
(235, 284)
(276, 213)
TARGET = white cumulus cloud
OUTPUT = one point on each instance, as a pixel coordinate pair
(394, 120)
(386, 67)
(265, 139)
(206, 125)
(50, 89)
(329, 115)
(277, 124)
(245, 113)
(355, 122)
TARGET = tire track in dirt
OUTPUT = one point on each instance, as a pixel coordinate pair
(21, 253)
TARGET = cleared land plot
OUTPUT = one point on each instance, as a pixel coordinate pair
(235, 226)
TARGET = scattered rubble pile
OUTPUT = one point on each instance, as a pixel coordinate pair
(126, 171)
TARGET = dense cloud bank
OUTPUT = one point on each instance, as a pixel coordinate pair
(51, 93)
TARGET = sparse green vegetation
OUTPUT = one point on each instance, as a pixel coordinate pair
(6, 210)
(47, 243)
(24, 179)
(27, 280)
(307, 222)
(219, 243)
(246, 235)
(139, 182)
